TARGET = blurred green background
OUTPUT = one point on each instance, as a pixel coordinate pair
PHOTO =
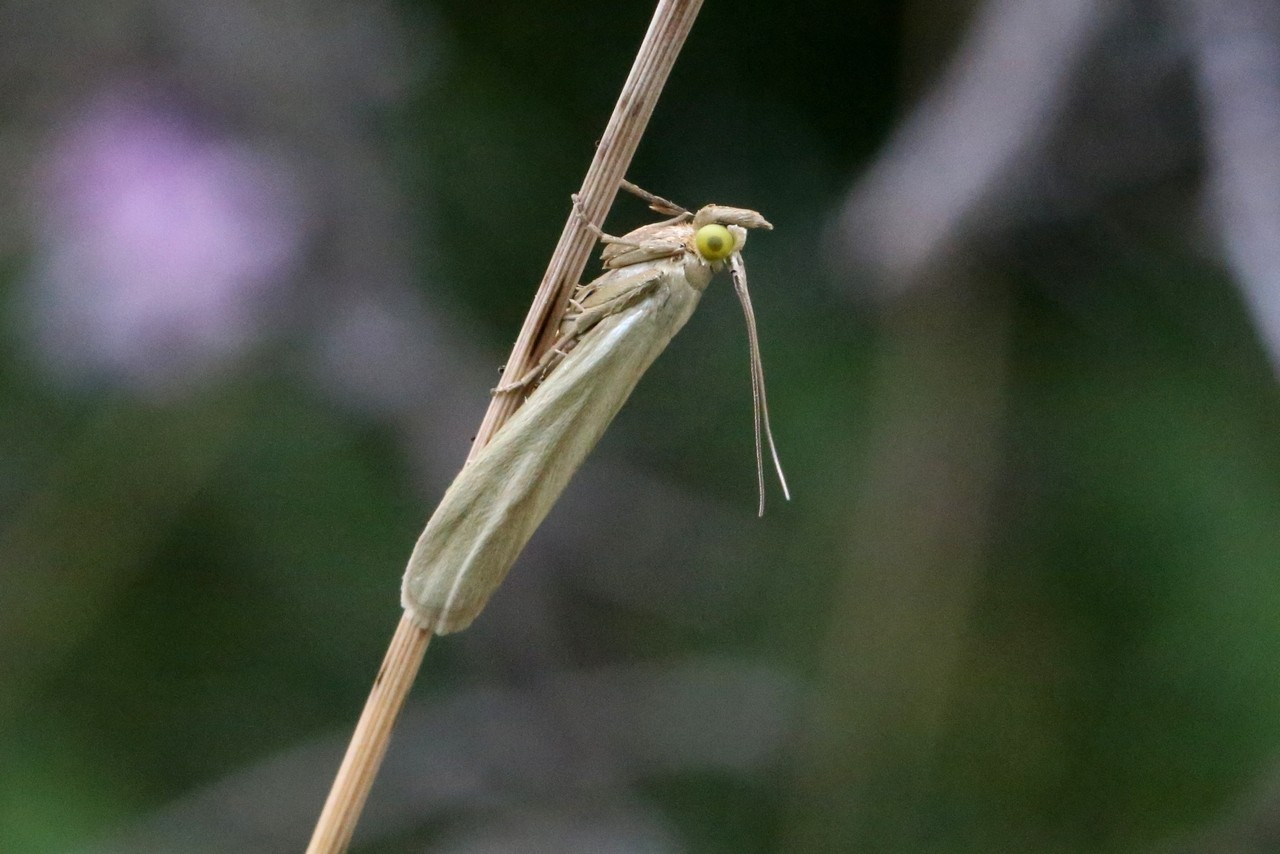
(1020, 315)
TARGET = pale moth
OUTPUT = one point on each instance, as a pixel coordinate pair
(615, 327)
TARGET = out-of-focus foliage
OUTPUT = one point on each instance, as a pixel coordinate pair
(259, 264)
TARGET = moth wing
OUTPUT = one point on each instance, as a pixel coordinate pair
(606, 295)
(493, 507)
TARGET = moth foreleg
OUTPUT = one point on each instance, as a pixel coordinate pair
(592, 227)
(656, 202)
(607, 238)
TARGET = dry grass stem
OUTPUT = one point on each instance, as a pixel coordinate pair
(671, 24)
(662, 43)
(369, 742)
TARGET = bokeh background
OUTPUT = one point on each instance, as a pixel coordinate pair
(259, 264)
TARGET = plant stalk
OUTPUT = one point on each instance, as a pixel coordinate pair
(672, 21)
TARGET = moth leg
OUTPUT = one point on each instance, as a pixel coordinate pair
(605, 237)
(535, 374)
(592, 227)
(539, 372)
(592, 304)
(656, 202)
(577, 326)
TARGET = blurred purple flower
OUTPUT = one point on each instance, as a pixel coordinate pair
(161, 245)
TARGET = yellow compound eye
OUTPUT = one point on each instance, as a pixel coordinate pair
(714, 242)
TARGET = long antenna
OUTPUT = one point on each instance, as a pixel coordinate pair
(761, 404)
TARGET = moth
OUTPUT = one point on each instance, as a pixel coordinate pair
(613, 330)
